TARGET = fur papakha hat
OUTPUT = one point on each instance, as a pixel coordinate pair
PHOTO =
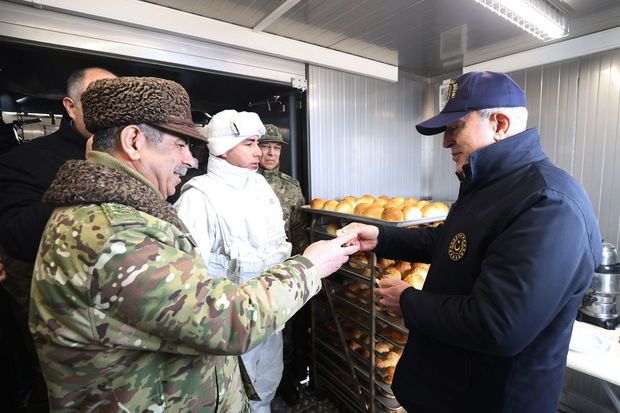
(123, 101)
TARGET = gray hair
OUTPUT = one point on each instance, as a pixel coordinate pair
(517, 115)
(105, 140)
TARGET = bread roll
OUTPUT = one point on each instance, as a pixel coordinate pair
(411, 200)
(422, 204)
(384, 197)
(382, 347)
(398, 337)
(317, 203)
(391, 273)
(360, 208)
(364, 296)
(403, 266)
(389, 375)
(383, 263)
(397, 200)
(392, 214)
(415, 280)
(379, 202)
(330, 205)
(423, 270)
(357, 260)
(391, 204)
(364, 352)
(344, 207)
(411, 212)
(373, 211)
(390, 360)
(332, 229)
(431, 211)
(369, 199)
(441, 206)
(351, 290)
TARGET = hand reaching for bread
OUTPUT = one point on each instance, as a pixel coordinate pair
(328, 256)
(366, 235)
(389, 294)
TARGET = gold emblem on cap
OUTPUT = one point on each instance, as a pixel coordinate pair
(458, 246)
(452, 88)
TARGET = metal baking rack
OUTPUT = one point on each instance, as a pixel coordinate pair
(337, 369)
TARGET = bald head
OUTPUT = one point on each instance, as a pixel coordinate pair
(76, 85)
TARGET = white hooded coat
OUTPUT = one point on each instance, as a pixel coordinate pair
(236, 220)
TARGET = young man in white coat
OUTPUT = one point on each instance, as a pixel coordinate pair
(237, 222)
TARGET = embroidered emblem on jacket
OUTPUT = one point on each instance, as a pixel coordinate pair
(458, 246)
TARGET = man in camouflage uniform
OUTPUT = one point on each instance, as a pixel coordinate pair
(286, 187)
(123, 312)
(288, 191)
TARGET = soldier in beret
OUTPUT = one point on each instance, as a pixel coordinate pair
(288, 191)
(123, 311)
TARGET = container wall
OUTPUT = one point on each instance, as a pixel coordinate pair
(362, 137)
(576, 106)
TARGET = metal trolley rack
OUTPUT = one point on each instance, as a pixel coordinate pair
(338, 317)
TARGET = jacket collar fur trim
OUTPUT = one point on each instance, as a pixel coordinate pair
(104, 179)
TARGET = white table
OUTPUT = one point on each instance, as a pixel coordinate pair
(601, 361)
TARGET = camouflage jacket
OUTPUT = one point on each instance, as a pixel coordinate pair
(289, 193)
(124, 315)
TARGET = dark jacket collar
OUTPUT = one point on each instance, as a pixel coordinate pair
(71, 134)
(501, 158)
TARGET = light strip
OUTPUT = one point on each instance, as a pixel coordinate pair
(537, 17)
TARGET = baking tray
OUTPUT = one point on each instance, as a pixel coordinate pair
(368, 220)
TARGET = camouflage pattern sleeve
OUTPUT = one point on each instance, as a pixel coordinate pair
(162, 298)
(299, 221)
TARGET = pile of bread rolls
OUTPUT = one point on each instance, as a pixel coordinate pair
(387, 354)
(413, 273)
(393, 209)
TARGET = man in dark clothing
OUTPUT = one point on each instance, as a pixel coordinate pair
(26, 172)
(490, 330)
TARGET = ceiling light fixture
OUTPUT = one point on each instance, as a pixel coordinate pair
(540, 18)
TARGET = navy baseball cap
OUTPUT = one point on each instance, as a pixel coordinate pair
(474, 91)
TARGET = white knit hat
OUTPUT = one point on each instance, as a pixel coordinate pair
(229, 128)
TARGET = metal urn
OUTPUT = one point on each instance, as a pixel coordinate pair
(599, 306)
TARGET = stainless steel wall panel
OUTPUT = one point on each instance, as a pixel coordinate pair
(362, 136)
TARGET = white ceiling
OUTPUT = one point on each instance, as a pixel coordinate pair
(426, 37)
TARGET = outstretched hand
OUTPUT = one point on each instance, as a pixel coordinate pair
(366, 235)
(388, 295)
(328, 256)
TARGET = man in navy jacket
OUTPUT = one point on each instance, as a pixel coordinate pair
(490, 330)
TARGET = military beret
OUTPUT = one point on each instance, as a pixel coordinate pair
(123, 101)
(272, 134)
